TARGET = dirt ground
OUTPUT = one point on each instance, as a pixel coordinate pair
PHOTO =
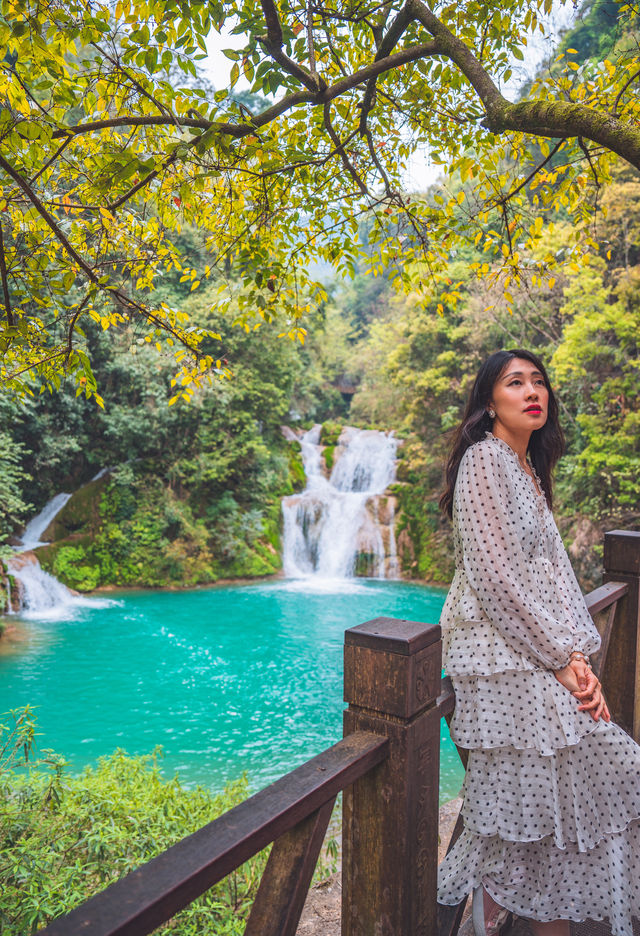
(321, 914)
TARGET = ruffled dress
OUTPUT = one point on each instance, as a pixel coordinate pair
(551, 798)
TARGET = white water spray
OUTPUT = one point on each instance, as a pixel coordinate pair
(38, 524)
(341, 526)
(41, 594)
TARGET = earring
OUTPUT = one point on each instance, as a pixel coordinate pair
(492, 413)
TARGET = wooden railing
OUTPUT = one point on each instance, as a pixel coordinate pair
(387, 764)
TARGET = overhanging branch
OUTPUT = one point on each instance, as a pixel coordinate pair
(389, 41)
(273, 43)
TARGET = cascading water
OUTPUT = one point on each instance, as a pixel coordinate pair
(41, 594)
(342, 526)
(38, 524)
(40, 591)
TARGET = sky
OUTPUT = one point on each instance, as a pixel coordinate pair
(420, 171)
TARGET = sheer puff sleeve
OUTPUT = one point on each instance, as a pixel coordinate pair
(506, 564)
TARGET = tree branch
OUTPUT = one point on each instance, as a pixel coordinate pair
(460, 55)
(48, 218)
(5, 281)
(555, 119)
(564, 119)
(388, 43)
(273, 43)
(115, 293)
(532, 174)
(72, 325)
(614, 110)
(374, 158)
(52, 159)
(341, 151)
(29, 367)
(130, 120)
(267, 116)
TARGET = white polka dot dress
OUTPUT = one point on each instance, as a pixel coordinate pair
(551, 797)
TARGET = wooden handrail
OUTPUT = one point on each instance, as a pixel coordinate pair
(601, 598)
(150, 895)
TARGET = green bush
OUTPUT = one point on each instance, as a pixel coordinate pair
(64, 838)
(72, 567)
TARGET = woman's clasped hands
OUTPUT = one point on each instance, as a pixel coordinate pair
(582, 682)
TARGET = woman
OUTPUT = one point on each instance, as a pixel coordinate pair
(552, 791)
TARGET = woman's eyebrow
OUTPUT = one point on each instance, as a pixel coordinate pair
(519, 373)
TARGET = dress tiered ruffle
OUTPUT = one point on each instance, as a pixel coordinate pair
(551, 798)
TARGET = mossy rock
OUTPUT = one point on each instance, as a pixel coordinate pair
(330, 433)
(81, 513)
(297, 476)
(329, 456)
(48, 555)
(365, 563)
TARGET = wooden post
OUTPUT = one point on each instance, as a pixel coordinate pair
(392, 678)
(621, 676)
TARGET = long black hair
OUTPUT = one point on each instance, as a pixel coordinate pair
(545, 446)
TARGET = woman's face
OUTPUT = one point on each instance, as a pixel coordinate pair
(520, 397)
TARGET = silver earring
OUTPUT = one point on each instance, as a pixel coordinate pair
(492, 413)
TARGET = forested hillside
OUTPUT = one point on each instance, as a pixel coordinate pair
(193, 490)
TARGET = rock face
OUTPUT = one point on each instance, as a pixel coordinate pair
(376, 552)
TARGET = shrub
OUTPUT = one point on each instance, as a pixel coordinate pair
(63, 838)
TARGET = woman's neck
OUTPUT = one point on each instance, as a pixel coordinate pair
(519, 442)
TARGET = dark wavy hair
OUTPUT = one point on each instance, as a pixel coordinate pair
(545, 446)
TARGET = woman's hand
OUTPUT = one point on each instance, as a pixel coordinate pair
(587, 679)
(567, 677)
(582, 682)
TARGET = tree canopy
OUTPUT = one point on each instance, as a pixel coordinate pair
(111, 143)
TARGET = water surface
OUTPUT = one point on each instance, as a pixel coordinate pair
(227, 679)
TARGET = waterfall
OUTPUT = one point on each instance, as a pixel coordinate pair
(40, 591)
(41, 594)
(36, 527)
(343, 526)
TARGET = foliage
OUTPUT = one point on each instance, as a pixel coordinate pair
(13, 507)
(600, 353)
(193, 492)
(64, 837)
(112, 144)
(419, 365)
